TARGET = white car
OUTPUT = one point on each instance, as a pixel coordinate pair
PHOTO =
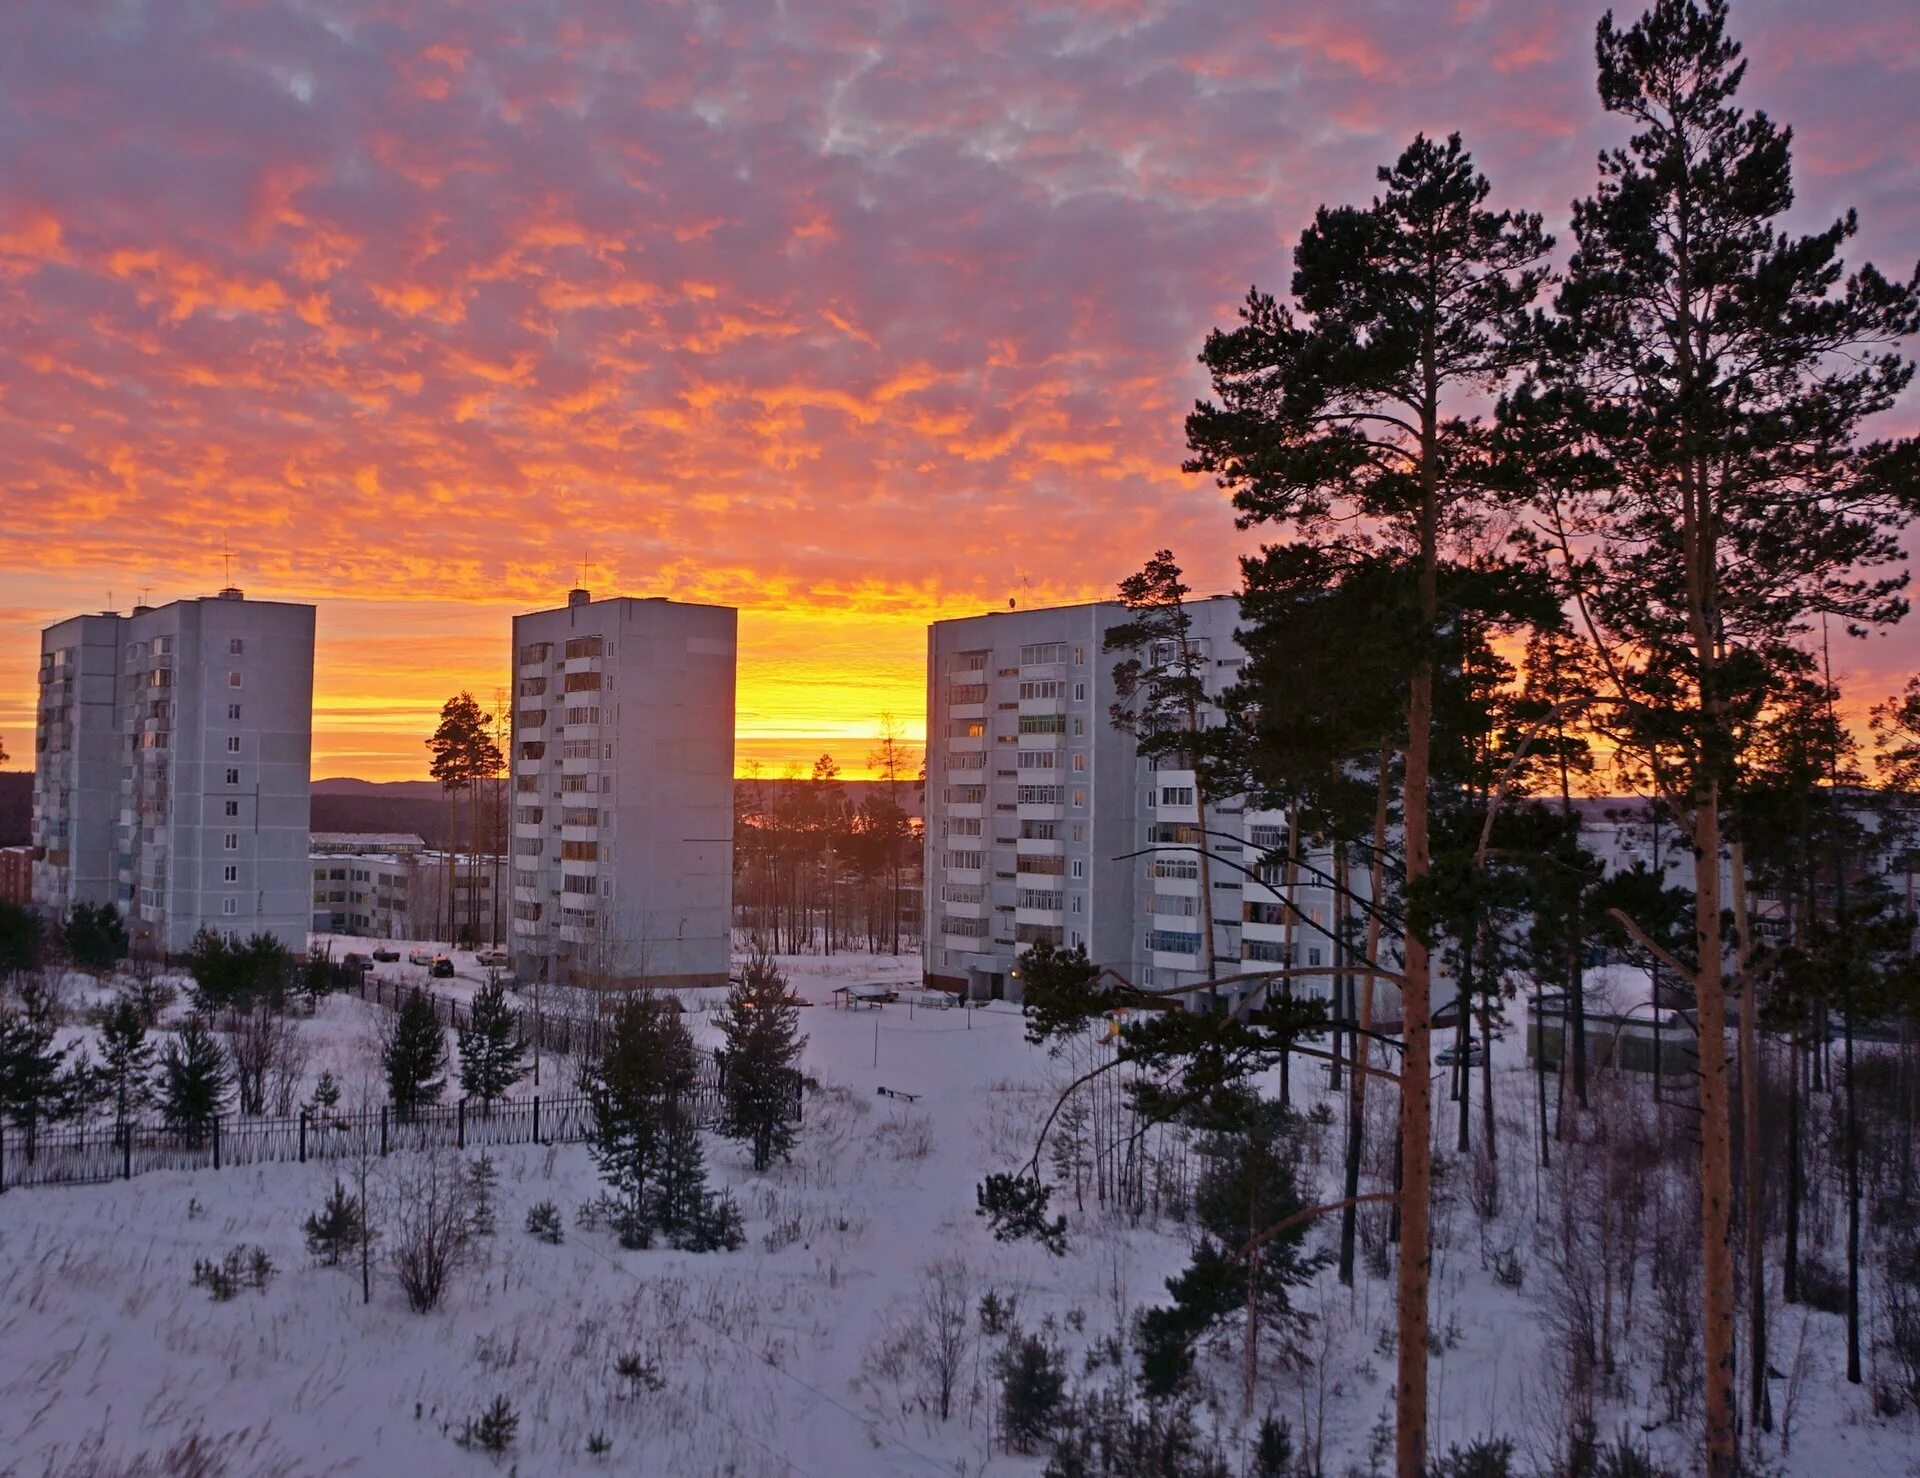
(493, 959)
(420, 957)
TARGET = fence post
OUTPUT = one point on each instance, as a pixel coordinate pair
(3, 1159)
(126, 1152)
(463, 1124)
(216, 1141)
(536, 1118)
(303, 1136)
(383, 1129)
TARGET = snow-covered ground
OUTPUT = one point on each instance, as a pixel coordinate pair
(771, 1359)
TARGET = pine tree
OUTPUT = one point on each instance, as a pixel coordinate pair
(95, 936)
(680, 1187)
(490, 1046)
(336, 1228)
(37, 1082)
(762, 1030)
(326, 1097)
(463, 754)
(645, 1068)
(413, 1054)
(193, 1080)
(126, 1066)
(1713, 374)
(1338, 427)
(22, 940)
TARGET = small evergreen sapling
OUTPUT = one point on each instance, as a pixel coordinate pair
(544, 1223)
(413, 1053)
(193, 1080)
(336, 1228)
(493, 1433)
(483, 1177)
(490, 1046)
(1032, 1383)
(762, 1029)
(326, 1098)
(126, 1063)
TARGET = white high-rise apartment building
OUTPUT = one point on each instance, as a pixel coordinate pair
(622, 793)
(1044, 823)
(172, 763)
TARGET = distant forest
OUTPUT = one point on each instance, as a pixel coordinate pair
(353, 805)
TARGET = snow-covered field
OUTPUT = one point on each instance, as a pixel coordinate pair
(769, 1360)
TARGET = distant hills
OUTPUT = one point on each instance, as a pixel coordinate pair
(342, 803)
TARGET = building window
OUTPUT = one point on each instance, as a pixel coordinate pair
(1079, 831)
(230, 873)
(1038, 652)
(1079, 902)
(1079, 868)
(233, 679)
(233, 777)
(1079, 656)
(233, 713)
(233, 744)
(233, 841)
(1080, 797)
(233, 808)
(1080, 763)
(229, 905)
(1079, 728)
(1079, 692)
(235, 646)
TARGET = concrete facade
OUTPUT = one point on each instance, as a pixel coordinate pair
(622, 792)
(1044, 822)
(172, 768)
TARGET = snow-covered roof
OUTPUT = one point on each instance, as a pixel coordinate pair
(367, 841)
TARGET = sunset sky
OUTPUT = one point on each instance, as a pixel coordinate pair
(853, 315)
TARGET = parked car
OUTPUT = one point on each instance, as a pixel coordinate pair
(420, 957)
(385, 955)
(441, 968)
(1451, 1056)
(494, 959)
(354, 960)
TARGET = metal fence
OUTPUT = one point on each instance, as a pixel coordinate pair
(87, 1155)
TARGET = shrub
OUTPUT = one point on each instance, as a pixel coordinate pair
(543, 1222)
(243, 1267)
(1484, 1457)
(431, 1229)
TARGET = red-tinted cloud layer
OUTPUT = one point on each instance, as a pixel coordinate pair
(852, 314)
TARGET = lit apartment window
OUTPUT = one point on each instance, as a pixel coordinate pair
(1080, 763)
(229, 905)
(233, 841)
(233, 744)
(1079, 796)
(233, 679)
(235, 646)
(233, 777)
(233, 808)
(233, 712)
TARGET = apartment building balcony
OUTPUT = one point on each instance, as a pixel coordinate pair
(1040, 846)
(1031, 811)
(1043, 669)
(1052, 739)
(965, 810)
(1039, 915)
(966, 744)
(974, 709)
(1173, 882)
(524, 893)
(975, 908)
(1043, 706)
(528, 829)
